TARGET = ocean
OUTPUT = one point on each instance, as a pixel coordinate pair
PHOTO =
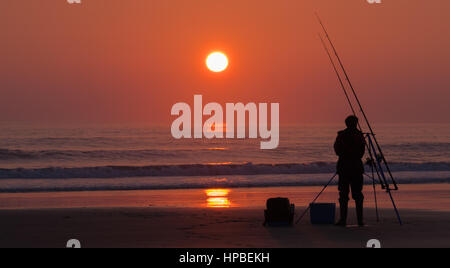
(87, 158)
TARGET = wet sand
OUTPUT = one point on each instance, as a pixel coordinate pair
(191, 218)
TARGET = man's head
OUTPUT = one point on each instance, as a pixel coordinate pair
(352, 122)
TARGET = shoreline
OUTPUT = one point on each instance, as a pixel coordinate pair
(201, 182)
(193, 188)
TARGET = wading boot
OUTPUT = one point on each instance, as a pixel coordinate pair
(344, 211)
(359, 213)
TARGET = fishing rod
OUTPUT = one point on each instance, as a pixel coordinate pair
(341, 82)
(338, 75)
(350, 104)
(380, 156)
(377, 159)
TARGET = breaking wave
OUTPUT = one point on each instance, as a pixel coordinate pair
(196, 170)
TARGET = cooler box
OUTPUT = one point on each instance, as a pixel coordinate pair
(323, 213)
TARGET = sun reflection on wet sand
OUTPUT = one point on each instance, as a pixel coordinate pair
(218, 198)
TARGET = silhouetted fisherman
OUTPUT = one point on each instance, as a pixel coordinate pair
(350, 147)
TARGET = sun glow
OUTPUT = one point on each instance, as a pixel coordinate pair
(218, 198)
(217, 62)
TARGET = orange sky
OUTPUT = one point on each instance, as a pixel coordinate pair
(130, 61)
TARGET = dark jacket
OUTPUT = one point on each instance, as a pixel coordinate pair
(350, 146)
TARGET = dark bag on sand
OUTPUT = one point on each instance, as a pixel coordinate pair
(280, 212)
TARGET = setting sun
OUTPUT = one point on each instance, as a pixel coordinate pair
(217, 62)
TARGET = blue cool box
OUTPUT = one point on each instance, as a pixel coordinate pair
(323, 213)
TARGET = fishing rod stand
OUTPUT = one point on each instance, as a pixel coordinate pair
(380, 171)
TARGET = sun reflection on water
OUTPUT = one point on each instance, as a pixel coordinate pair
(218, 198)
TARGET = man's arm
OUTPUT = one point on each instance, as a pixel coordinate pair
(338, 145)
(362, 146)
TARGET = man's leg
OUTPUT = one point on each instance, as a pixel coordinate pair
(357, 188)
(344, 190)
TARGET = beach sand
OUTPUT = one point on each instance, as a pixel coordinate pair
(191, 218)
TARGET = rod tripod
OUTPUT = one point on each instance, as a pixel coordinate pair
(380, 170)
